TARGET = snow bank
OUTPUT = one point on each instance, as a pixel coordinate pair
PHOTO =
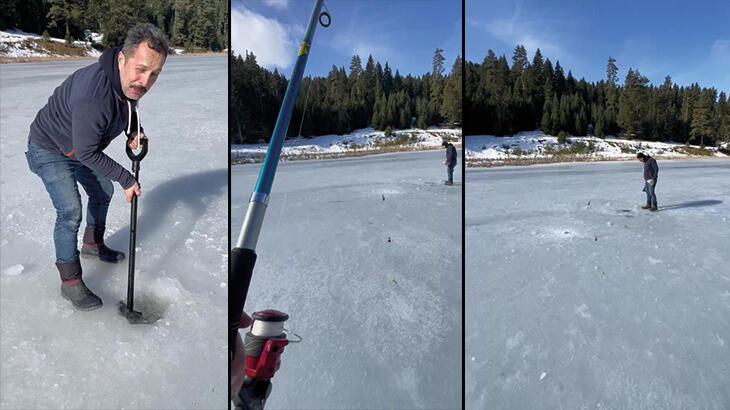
(536, 144)
(363, 140)
(16, 44)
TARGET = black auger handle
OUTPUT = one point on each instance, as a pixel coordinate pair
(137, 157)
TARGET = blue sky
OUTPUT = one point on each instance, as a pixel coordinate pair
(403, 33)
(689, 40)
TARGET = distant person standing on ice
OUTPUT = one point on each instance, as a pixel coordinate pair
(450, 161)
(651, 172)
(84, 114)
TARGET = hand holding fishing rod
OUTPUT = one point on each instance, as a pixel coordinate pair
(266, 340)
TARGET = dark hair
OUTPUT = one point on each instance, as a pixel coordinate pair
(142, 32)
(640, 155)
(444, 144)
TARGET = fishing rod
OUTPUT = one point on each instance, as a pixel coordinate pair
(266, 339)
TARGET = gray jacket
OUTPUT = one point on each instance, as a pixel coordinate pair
(84, 114)
(651, 169)
(450, 155)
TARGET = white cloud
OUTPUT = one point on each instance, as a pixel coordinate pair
(513, 32)
(271, 42)
(721, 48)
(379, 52)
(277, 4)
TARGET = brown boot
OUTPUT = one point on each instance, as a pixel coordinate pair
(646, 207)
(94, 246)
(74, 289)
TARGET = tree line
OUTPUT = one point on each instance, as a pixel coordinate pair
(189, 24)
(342, 101)
(503, 100)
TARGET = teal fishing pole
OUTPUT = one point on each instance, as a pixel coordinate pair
(265, 341)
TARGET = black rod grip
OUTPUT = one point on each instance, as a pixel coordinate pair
(239, 279)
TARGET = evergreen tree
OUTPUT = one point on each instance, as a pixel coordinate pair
(702, 118)
(536, 80)
(500, 99)
(387, 79)
(633, 107)
(369, 81)
(67, 12)
(451, 107)
(724, 123)
(436, 83)
(546, 123)
(519, 62)
(438, 63)
(8, 14)
(690, 98)
(119, 17)
(558, 80)
(611, 72)
(665, 119)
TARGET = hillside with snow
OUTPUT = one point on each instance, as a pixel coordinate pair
(19, 46)
(360, 142)
(536, 146)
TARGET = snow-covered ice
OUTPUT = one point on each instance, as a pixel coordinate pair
(55, 357)
(381, 321)
(628, 310)
(14, 270)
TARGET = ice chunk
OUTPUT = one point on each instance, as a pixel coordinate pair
(542, 376)
(14, 270)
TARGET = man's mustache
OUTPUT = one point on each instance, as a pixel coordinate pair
(139, 88)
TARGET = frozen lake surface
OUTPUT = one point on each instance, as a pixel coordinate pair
(365, 256)
(55, 357)
(576, 298)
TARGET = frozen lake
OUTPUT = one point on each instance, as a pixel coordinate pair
(52, 356)
(576, 298)
(373, 286)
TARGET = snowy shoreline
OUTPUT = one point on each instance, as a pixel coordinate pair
(536, 147)
(361, 142)
(18, 47)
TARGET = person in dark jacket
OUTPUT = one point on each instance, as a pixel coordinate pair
(651, 173)
(450, 161)
(66, 142)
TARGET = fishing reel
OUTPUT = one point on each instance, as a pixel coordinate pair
(263, 345)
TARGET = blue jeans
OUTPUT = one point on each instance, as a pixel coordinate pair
(60, 176)
(650, 194)
(450, 172)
